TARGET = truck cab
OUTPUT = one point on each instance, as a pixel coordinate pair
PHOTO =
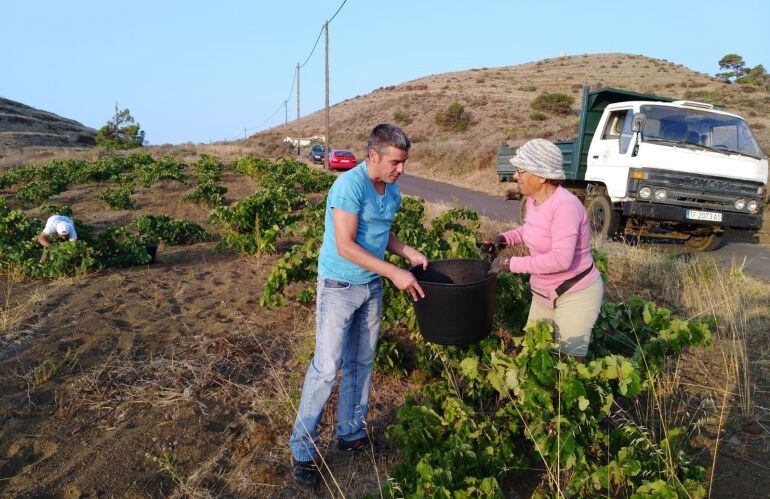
(652, 166)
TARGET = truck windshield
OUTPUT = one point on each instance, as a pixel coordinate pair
(700, 128)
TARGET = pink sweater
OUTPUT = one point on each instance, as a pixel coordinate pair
(558, 237)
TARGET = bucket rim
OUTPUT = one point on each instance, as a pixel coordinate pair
(489, 275)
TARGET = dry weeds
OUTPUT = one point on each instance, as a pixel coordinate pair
(720, 396)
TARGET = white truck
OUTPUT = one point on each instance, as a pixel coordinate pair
(647, 165)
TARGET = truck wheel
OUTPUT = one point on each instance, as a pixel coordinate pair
(604, 220)
(522, 209)
(703, 244)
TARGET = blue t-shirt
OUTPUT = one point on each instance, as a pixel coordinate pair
(353, 192)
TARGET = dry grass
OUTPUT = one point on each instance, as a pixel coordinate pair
(18, 318)
(716, 395)
(697, 286)
(257, 373)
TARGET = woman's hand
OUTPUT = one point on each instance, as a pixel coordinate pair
(492, 246)
(502, 264)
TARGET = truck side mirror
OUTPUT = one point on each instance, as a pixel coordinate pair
(638, 124)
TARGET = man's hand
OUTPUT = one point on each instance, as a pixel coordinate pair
(417, 259)
(492, 246)
(502, 264)
(406, 281)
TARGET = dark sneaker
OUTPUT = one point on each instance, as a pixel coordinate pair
(306, 474)
(362, 444)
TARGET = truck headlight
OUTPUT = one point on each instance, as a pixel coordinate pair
(660, 194)
(645, 193)
(752, 205)
(740, 204)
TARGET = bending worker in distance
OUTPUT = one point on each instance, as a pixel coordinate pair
(57, 227)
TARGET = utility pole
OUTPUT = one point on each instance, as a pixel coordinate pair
(244, 133)
(116, 121)
(299, 129)
(286, 113)
(327, 138)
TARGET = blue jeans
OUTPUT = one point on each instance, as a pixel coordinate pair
(347, 327)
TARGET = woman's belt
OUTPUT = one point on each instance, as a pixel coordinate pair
(566, 285)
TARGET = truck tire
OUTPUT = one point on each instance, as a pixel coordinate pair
(603, 219)
(522, 209)
(703, 244)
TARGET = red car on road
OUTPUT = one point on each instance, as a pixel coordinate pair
(340, 159)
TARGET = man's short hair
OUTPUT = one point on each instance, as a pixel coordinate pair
(384, 135)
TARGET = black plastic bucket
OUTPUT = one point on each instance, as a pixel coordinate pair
(152, 250)
(459, 302)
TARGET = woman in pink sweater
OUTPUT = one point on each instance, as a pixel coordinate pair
(567, 288)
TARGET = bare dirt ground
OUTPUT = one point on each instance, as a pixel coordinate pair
(162, 379)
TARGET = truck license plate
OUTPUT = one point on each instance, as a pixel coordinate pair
(704, 215)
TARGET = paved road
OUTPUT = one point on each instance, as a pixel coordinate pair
(755, 258)
(494, 207)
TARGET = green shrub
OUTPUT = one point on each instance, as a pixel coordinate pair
(118, 198)
(286, 173)
(252, 226)
(554, 103)
(401, 118)
(207, 194)
(454, 119)
(390, 356)
(37, 191)
(166, 168)
(119, 247)
(39, 182)
(494, 411)
(156, 228)
(67, 258)
(18, 238)
(208, 168)
(537, 116)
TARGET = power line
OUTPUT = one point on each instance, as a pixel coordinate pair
(294, 79)
(313, 50)
(291, 90)
(268, 119)
(338, 10)
(321, 33)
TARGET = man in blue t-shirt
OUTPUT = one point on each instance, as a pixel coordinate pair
(360, 208)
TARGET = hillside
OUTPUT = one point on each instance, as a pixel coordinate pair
(23, 126)
(499, 102)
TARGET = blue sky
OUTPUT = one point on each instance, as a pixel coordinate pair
(198, 71)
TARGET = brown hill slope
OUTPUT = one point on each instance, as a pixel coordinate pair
(24, 126)
(499, 102)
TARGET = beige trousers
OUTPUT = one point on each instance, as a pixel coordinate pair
(574, 317)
